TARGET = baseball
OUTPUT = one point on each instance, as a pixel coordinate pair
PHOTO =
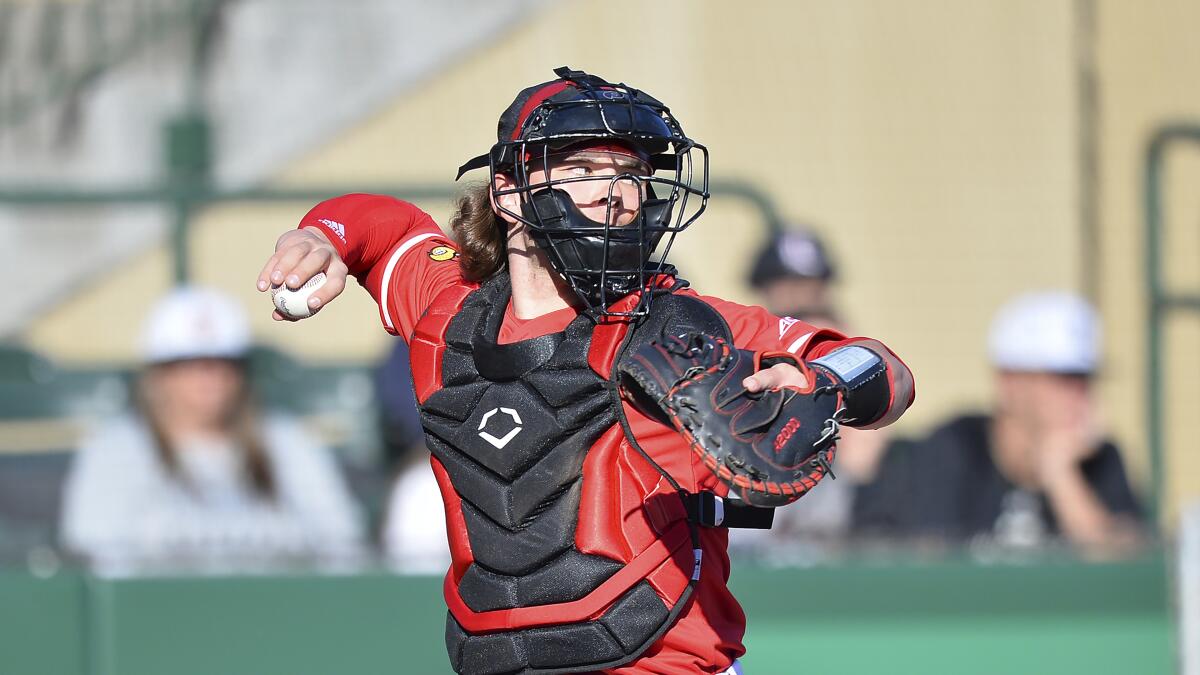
(294, 304)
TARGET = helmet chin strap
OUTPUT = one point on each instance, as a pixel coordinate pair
(601, 267)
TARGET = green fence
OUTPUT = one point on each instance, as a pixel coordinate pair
(949, 617)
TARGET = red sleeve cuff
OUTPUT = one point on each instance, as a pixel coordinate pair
(333, 230)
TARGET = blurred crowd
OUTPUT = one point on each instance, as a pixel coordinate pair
(1034, 471)
(197, 474)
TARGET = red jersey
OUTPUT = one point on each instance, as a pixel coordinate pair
(404, 260)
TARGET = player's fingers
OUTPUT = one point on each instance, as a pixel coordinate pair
(264, 275)
(280, 262)
(285, 265)
(316, 260)
(761, 381)
(778, 375)
(335, 283)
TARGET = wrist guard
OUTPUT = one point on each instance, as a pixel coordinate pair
(863, 373)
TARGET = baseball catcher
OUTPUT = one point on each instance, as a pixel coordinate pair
(594, 424)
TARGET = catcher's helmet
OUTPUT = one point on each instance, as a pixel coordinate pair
(601, 261)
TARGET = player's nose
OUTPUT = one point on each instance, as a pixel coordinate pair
(622, 198)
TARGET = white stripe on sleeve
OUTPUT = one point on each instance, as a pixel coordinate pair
(799, 343)
(387, 273)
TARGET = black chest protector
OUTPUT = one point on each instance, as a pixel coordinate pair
(512, 425)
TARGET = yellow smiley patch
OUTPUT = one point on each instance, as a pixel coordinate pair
(442, 253)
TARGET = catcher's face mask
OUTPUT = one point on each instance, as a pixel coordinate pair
(588, 161)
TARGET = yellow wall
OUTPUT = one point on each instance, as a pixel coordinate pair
(1149, 66)
(934, 143)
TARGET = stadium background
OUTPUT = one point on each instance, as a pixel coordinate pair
(952, 154)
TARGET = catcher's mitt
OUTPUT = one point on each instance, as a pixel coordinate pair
(770, 447)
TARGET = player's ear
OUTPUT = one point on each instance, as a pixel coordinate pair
(504, 203)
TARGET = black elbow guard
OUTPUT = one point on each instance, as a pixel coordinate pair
(864, 373)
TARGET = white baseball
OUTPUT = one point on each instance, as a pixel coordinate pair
(294, 304)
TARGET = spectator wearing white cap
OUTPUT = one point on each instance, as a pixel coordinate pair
(197, 477)
(1038, 467)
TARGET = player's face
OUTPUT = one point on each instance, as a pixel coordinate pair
(203, 391)
(799, 297)
(607, 186)
(1033, 396)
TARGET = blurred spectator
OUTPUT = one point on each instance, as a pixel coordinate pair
(197, 476)
(1038, 467)
(400, 423)
(414, 531)
(795, 275)
(413, 541)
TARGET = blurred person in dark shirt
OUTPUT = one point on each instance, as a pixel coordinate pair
(400, 423)
(1036, 468)
(412, 542)
(795, 275)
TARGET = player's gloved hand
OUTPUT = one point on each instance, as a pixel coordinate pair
(299, 255)
(769, 446)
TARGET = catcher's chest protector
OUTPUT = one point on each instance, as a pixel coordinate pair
(526, 447)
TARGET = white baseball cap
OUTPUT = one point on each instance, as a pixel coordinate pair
(1055, 332)
(195, 323)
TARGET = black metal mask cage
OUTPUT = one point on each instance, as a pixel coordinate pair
(601, 260)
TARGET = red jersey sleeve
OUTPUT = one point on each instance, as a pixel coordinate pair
(394, 249)
(756, 329)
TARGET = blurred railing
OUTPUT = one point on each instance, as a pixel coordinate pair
(1161, 301)
(189, 196)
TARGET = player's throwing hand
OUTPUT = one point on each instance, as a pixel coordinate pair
(299, 255)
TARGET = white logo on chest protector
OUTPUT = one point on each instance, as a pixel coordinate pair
(503, 440)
